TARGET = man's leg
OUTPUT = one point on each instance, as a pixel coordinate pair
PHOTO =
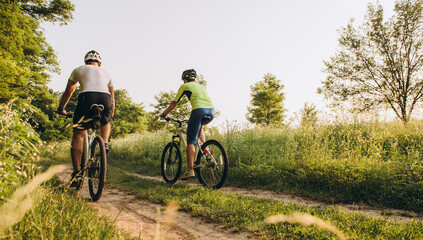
(105, 132)
(76, 149)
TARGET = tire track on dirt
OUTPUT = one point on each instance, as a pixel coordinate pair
(145, 220)
(388, 213)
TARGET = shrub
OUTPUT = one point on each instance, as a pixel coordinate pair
(18, 148)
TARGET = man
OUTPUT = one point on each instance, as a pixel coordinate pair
(96, 88)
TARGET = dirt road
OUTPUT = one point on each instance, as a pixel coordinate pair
(146, 220)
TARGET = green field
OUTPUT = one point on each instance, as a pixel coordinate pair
(377, 164)
(373, 163)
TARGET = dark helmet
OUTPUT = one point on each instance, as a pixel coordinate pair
(189, 75)
(92, 56)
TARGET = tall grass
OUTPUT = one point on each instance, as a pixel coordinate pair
(62, 215)
(376, 163)
(139, 152)
(18, 148)
(29, 207)
(21, 201)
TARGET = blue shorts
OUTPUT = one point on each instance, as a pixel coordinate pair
(199, 117)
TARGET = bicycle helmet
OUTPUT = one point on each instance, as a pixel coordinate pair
(92, 56)
(189, 75)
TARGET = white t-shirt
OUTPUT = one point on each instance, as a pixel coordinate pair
(92, 78)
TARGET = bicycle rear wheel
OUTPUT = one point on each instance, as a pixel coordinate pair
(171, 165)
(211, 166)
(97, 169)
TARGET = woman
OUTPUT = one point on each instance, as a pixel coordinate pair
(202, 113)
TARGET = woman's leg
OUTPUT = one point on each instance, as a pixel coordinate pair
(201, 135)
(190, 156)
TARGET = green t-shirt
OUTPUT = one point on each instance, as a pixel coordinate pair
(196, 94)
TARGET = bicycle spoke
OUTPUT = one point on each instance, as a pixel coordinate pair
(97, 168)
(171, 164)
(93, 179)
(211, 164)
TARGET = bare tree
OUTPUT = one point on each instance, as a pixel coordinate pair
(379, 62)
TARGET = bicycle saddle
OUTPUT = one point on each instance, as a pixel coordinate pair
(96, 109)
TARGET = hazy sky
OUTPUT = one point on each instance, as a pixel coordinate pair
(146, 44)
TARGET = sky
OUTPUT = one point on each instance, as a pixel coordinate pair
(146, 45)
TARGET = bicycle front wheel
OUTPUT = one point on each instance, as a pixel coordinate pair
(211, 166)
(171, 162)
(97, 169)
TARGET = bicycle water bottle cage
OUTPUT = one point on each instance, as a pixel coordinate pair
(96, 110)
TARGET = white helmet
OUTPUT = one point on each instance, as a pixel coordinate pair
(92, 56)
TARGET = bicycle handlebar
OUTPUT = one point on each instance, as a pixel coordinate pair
(68, 114)
(176, 120)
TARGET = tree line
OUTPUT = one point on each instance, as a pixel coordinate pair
(378, 64)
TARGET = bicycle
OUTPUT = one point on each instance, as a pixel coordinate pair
(93, 159)
(211, 165)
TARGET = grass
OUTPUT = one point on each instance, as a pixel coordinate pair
(56, 214)
(379, 164)
(49, 212)
(62, 215)
(248, 213)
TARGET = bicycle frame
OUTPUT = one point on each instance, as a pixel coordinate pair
(180, 133)
(88, 140)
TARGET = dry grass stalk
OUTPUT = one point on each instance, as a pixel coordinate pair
(20, 202)
(305, 220)
(166, 221)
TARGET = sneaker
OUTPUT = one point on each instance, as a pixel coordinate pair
(188, 175)
(77, 181)
(106, 145)
(75, 184)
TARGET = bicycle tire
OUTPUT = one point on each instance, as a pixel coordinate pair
(97, 169)
(212, 164)
(171, 162)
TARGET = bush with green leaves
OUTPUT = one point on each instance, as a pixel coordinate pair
(18, 148)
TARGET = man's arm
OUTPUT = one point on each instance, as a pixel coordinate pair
(70, 88)
(112, 92)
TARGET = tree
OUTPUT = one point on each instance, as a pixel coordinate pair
(26, 59)
(308, 115)
(267, 102)
(129, 117)
(379, 63)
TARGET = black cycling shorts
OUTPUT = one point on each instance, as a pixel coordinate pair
(85, 101)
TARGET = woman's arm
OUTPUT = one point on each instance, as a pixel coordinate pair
(169, 109)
